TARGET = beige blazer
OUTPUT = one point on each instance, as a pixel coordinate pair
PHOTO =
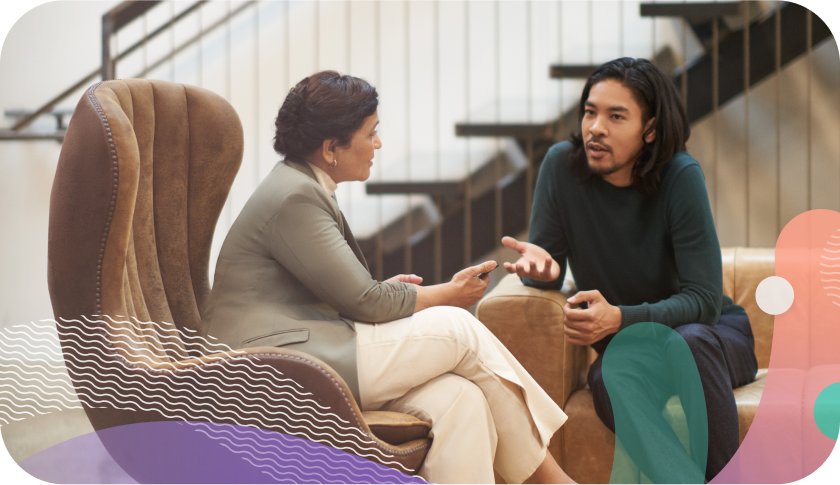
(291, 274)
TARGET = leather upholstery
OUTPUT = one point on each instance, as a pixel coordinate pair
(144, 171)
(528, 322)
(396, 428)
(587, 456)
(510, 311)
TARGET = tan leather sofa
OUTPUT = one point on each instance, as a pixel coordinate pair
(529, 322)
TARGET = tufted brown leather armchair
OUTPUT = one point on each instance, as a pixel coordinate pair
(529, 322)
(143, 175)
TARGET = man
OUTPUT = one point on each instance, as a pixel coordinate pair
(628, 208)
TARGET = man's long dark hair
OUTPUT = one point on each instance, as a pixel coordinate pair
(658, 97)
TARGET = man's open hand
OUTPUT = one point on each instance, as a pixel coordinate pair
(587, 326)
(535, 262)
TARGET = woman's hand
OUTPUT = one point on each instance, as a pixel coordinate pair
(534, 263)
(405, 278)
(463, 291)
(467, 288)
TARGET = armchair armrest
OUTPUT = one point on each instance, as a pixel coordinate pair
(270, 388)
(529, 322)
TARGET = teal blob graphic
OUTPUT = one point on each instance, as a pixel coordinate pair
(661, 426)
(827, 411)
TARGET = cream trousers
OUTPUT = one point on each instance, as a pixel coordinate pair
(443, 366)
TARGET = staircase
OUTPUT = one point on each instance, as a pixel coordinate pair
(478, 219)
(428, 216)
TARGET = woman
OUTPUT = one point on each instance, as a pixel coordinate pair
(290, 273)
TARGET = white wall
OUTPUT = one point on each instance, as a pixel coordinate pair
(479, 56)
(46, 51)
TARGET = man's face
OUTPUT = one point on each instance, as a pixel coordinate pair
(613, 132)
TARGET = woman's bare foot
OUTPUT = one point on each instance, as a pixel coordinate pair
(549, 472)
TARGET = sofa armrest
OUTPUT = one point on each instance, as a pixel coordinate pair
(529, 322)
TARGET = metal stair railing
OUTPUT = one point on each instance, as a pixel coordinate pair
(726, 62)
(112, 21)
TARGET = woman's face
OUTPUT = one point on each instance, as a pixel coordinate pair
(355, 160)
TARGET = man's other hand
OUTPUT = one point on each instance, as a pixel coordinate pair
(534, 263)
(587, 326)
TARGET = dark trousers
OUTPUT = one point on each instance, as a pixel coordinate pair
(725, 358)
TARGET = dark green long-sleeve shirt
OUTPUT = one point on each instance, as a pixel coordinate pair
(657, 257)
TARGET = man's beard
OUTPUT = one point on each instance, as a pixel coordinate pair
(601, 169)
(604, 170)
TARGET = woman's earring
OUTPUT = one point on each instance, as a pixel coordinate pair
(334, 164)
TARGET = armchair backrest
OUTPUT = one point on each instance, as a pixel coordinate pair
(743, 270)
(143, 175)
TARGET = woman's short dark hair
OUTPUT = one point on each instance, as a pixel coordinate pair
(658, 97)
(323, 106)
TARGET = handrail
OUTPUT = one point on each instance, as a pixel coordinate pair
(112, 21)
(140, 43)
(195, 38)
(27, 120)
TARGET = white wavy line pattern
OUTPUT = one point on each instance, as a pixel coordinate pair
(281, 456)
(33, 380)
(233, 387)
(831, 272)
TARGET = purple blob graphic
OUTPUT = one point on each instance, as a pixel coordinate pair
(197, 452)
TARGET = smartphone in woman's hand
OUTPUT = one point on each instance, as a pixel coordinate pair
(481, 275)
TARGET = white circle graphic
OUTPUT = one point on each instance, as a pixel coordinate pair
(774, 295)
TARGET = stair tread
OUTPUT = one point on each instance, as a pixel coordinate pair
(572, 71)
(690, 11)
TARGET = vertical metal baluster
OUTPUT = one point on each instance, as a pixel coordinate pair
(778, 59)
(746, 12)
(257, 94)
(347, 70)
(145, 43)
(228, 61)
(317, 30)
(715, 97)
(621, 28)
(172, 39)
(589, 33)
(107, 71)
(529, 59)
(380, 250)
(529, 169)
(348, 51)
(289, 80)
(560, 128)
(438, 232)
(200, 44)
(653, 39)
(468, 184)
(116, 37)
(529, 178)
(684, 77)
(497, 163)
(408, 229)
(809, 35)
(228, 95)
